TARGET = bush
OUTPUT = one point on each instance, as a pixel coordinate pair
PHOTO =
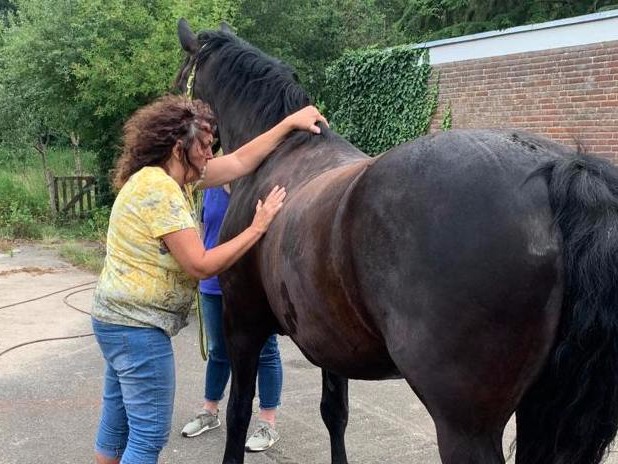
(380, 98)
(17, 199)
(97, 223)
(18, 222)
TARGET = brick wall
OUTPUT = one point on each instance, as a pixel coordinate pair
(567, 94)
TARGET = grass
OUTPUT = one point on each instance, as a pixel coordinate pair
(22, 177)
(6, 246)
(87, 256)
(59, 159)
(25, 208)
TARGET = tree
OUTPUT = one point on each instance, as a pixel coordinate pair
(311, 34)
(422, 20)
(6, 8)
(34, 76)
(80, 67)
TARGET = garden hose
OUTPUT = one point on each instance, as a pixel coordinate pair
(65, 301)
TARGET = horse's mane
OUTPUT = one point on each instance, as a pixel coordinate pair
(267, 88)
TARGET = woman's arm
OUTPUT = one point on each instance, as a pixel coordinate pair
(188, 250)
(248, 157)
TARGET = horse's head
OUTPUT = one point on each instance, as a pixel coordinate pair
(248, 90)
(198, 51)
(189, 43)
(249, 93)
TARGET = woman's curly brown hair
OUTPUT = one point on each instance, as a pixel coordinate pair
(151, 133)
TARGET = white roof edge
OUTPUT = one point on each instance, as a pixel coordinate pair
(519, 29)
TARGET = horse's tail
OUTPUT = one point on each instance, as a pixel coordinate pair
(570, 414)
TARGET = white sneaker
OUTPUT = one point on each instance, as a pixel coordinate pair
(205, 420)
(263, 438)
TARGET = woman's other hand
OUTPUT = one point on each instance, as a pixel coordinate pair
(306, 119)
(265, 211)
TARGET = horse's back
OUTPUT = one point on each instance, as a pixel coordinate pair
(457, 260)
(458, 210)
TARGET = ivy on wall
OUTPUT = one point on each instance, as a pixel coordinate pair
(447, 119)
(380, 98)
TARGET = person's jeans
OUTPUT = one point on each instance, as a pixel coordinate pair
(270, 373)
(138, 392)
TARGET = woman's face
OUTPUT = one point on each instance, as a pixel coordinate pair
(199, 154)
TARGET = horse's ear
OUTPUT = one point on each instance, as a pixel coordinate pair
(188, 40)
(225, 27)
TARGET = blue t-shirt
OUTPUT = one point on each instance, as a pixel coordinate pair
(216, 200)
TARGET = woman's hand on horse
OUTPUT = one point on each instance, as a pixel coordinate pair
(265, 211)
(306, 119)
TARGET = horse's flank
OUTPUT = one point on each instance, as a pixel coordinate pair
(311, 280)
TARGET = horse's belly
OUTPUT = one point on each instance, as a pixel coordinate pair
(335, 338)
(350, 364)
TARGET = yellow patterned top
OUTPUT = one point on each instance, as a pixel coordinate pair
(141, 284)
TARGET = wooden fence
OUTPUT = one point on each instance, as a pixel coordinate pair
(74, 196)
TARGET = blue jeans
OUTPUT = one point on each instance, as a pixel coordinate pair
(138, 392)
(270, 372)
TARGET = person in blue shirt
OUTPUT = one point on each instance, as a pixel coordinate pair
(270, 373)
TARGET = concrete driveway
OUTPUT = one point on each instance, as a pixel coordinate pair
(50, 390)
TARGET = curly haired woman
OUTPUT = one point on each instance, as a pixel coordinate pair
(155, 258)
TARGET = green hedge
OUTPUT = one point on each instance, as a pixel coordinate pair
(380, 98)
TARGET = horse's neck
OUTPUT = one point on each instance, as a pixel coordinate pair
(292, 166)
(233, 136)
(240, 123)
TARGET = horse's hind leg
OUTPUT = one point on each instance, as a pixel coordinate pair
(461, 445)
(334, 409)
(469, 415)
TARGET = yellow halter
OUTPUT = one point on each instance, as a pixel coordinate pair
(190, 81)
(196, 207)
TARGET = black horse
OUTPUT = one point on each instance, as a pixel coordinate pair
(479, 265)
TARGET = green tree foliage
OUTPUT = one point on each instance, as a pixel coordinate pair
(311, 34)
(36, 78)
(6, 5)
(421, 20)
(82, 66)
(6, 8)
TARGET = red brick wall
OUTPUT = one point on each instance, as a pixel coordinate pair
(567, 94)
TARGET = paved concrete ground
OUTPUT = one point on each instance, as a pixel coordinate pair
(50, 391)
